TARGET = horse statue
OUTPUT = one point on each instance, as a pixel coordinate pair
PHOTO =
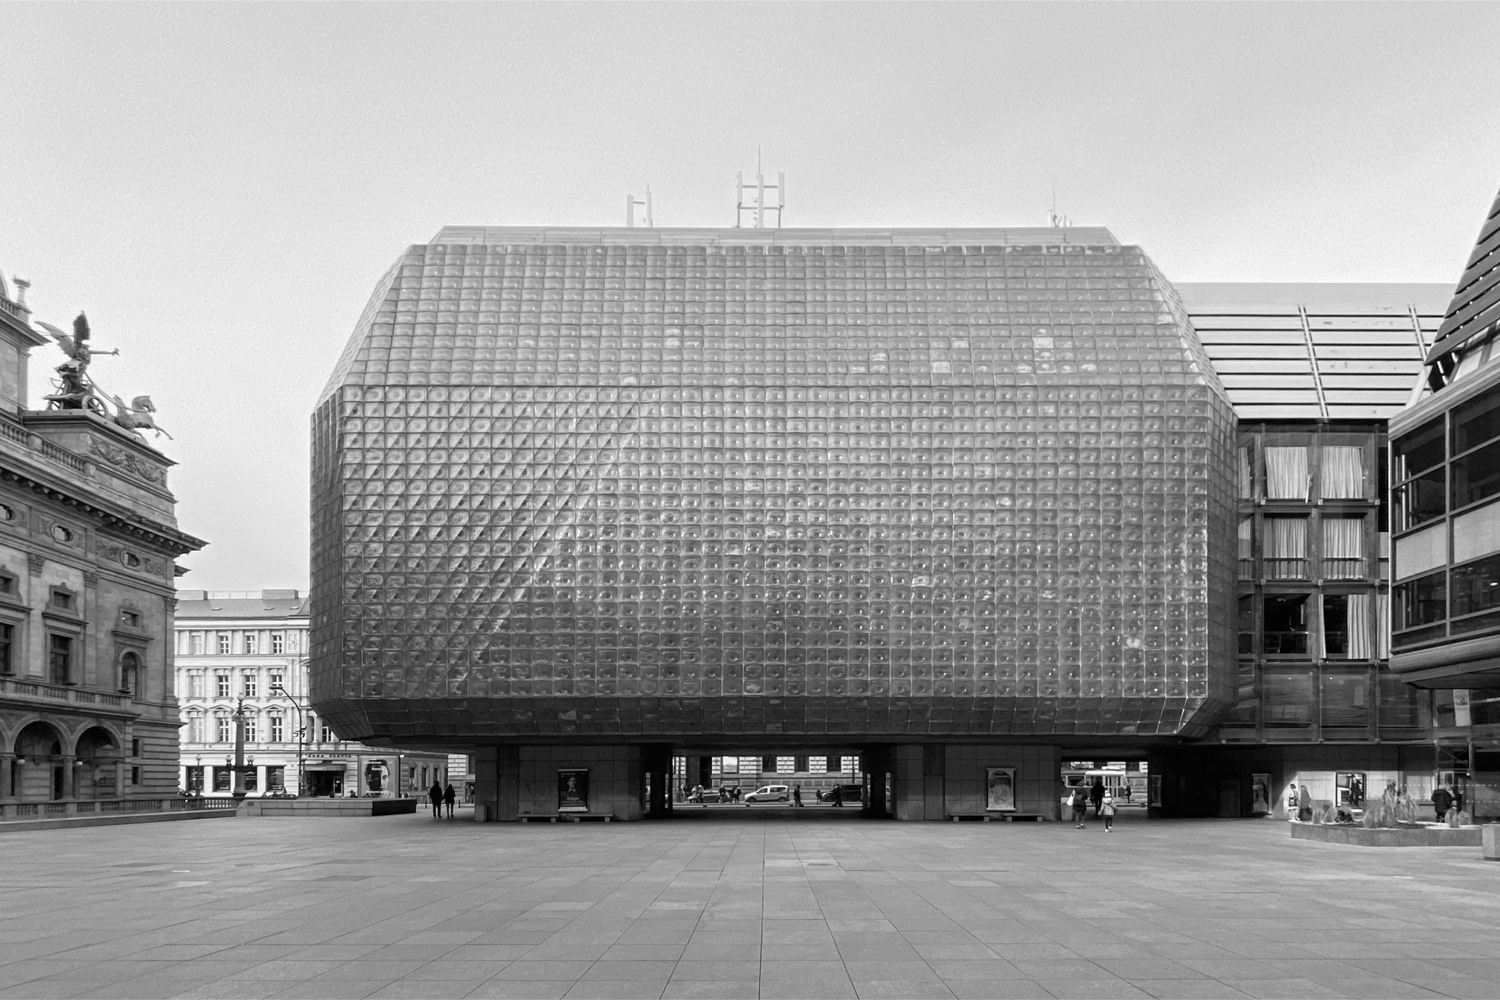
(137, 416)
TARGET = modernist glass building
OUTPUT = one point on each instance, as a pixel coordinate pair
(1445, 504)
(949, 499)
(627, 488)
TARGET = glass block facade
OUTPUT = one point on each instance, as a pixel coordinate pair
(569, 486)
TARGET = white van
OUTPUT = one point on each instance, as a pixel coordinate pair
(770, 793)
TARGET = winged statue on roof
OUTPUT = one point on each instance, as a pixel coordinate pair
(76, 389)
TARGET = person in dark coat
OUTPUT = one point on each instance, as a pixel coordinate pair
(1304, 805)
(1096, 795)
(837, 796)
(435, 796)
(1080, 804)
(1442, 801)
(449, 797)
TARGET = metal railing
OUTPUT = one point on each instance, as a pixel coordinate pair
(1344, 569)
(1285, 569)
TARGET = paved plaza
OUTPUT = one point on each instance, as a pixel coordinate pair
(737, 903)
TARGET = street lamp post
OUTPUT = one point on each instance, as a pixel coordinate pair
(239, 752)
(301, 731)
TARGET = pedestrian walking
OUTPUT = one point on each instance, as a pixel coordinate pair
(797, 796)
(1096, 795)
(838, 796)
(1080, 804)
(1442, 801)
(1293, 802)
(449, 797)
(435, 796)
(1107, 810)
(1304, 805)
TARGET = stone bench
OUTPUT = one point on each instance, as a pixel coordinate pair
(567, 817)
(995, 817)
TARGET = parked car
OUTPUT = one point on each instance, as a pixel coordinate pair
(848, 794)
(770, 793)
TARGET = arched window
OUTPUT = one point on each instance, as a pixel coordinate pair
(130, 669)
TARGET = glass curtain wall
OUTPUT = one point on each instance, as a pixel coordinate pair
(1445, 484)
(1314, 603)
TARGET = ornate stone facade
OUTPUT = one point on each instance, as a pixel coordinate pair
(88, 711)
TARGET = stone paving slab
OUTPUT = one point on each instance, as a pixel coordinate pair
(731, 904)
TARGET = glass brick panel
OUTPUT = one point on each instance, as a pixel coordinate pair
(722, 489)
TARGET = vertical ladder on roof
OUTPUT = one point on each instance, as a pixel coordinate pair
(1312, 360)
(1416, 327)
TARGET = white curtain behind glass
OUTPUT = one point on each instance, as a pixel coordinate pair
(1360, 626)
(1343, 472)
(1247, 548)
(1383, 626)
(1286, 473)
(1285, 547)
(1343, 547)
(1246, 482)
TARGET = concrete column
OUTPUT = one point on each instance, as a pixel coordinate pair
(911, 802)
(934, 773)
(7, 768)
(121, 789)
(486, 785)
(656, 764)
(508, 798)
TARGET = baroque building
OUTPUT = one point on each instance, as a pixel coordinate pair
(88, 538)
(247, 652)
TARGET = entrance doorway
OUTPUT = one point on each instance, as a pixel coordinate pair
(325, 784)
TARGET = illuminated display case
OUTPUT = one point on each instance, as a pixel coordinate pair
(567, 487)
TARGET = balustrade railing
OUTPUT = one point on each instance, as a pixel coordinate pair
(12, 810)
(59, 692)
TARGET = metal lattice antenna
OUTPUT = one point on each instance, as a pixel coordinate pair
(758, 208)
(631, 201)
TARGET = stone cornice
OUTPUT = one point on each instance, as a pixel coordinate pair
(111, 515)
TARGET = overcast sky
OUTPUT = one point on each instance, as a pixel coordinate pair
(221, 185)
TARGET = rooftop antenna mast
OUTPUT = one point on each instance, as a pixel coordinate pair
(1053, 219)
(631, 201)
(758, 207)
